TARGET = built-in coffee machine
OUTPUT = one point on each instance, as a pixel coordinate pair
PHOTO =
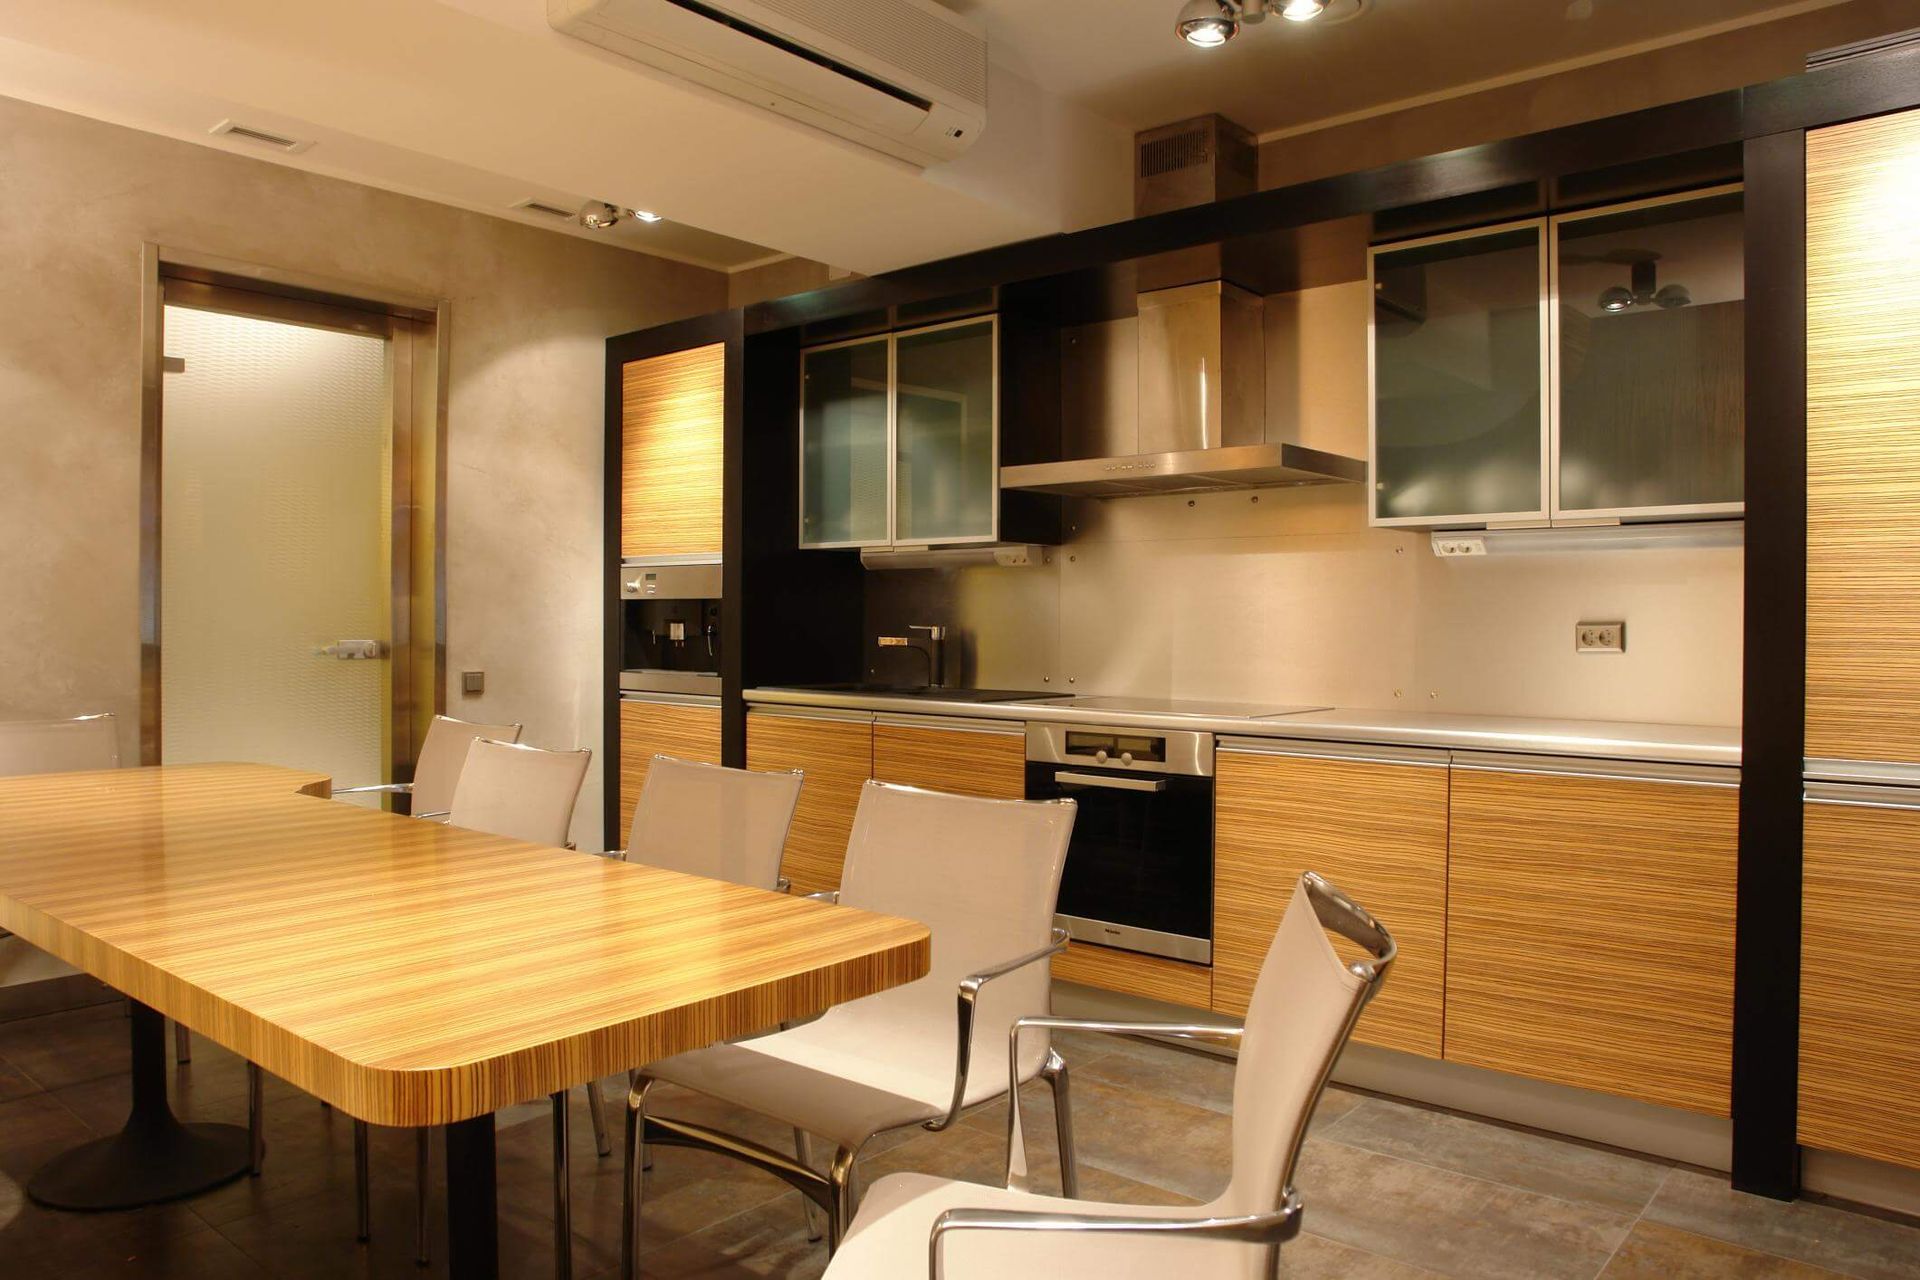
(670, 621)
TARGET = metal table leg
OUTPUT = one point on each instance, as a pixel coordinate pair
(154, 1157)
(473, 1211)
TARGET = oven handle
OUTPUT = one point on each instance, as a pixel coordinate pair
(1112, 784)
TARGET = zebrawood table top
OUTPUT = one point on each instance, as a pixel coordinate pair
(407, 972)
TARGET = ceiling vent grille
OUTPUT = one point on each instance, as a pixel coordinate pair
(1180, 151)
(260, 137)
(531, 205)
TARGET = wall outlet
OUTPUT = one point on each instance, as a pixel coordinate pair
(1600, 637)
(1448, 545)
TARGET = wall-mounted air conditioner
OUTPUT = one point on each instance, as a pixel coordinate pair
(905, 77)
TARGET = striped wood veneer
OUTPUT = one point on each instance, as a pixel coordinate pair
(1863, 440)
(649, 729)
(671, 410)
(837, 758)
(407, 972)
(967, 762)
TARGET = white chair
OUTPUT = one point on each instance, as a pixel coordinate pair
(443, 753)
(1304, 1005)
(983, 875)
(523, 793)
(709, 820)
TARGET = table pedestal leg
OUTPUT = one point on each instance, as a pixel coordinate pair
(473, 1211)
(154, 1157)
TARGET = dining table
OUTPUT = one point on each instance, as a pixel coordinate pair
(405, 971)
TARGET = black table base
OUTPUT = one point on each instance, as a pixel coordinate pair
(154, 1157)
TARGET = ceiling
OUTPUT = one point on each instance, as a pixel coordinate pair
(479, 103)
(1121, 59)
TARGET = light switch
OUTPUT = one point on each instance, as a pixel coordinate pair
(472, 682)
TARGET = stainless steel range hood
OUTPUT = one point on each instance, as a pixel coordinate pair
(1242, 466)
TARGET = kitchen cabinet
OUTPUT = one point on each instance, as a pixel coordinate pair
(1863, 442)
(671, 415)
(1860, 973)
(899, 438)
(834, 749)
(1590, 925)
(1584, 368)
(662, 724)
(1136, 974)
(1373, 820)
(967, 757)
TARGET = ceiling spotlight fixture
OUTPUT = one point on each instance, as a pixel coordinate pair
(598, 215)
(1303, 10)
(1646, 291)
(1208, 24)
(1211, 23)
(1616, 299)
(644, 215)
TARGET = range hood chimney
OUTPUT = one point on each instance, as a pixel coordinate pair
(1198, 358)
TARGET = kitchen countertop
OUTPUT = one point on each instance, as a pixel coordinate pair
(1595, 739)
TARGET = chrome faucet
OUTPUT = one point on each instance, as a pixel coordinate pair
(933, 645)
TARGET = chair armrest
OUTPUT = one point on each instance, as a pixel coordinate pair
(386, 788)
(782, 885)
(969, 998)
(438, 815)
(1259, 1228)
(825, 895)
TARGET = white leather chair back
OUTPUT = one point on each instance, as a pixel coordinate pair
(709, 820)
(511, 789)
(983, 876)
(59, 746)
(1304, 1004)
(444, 753)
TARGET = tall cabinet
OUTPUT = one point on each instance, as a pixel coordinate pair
(1860, 952)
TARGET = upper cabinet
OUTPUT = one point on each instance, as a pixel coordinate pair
(1582, 368)
(671, 447)
(899, 438)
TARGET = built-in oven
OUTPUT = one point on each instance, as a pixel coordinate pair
(1139, 871)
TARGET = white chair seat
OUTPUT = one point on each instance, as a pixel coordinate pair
(847, 1075)
(888, 1240)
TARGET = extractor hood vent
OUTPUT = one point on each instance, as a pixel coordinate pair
(261, 137)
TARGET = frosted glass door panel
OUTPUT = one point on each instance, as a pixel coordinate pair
(1457, 373)
(843, 444)
(275, 539)
(1652, 358)
(945, 481)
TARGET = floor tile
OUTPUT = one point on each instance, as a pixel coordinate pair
(1653, 1251)
(1849, 1243)
(1314, 1257)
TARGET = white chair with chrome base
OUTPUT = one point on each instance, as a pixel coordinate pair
(1303, 1009)
(523, 793)
(70, 746)
(443, 754)
(983, 876)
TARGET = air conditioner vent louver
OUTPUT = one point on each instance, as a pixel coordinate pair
(247, 133)
(530, 205)
(1177, 151)
(899, 33)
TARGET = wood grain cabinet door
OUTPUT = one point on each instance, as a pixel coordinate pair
(971, 758)
(671, 413)
(1374, 822)
(1590, 917)
(835, 751)
(661, 726)
(1860, 979)
(1863, 441)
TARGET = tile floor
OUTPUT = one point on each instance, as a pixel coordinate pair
(1391, 1190)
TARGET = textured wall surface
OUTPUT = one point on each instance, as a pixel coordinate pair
(529, 312)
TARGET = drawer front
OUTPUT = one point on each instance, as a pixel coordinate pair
(1152, 977)
(1860, 982)
(836, 755)
(1377, 829)
(649, 729)
(968, 762)
(1590, 924)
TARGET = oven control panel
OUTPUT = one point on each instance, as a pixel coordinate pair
(1148, 750)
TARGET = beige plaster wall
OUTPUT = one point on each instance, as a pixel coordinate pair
(529, 314)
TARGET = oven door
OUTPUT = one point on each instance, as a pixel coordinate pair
(1139, 871)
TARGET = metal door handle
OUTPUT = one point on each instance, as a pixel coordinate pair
(1112, 784)
(346, 650)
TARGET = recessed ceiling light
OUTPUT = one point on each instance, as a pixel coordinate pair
(645, 215)
(598, 215)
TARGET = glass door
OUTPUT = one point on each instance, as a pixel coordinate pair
(846, 481)
(1458, 348)
(946, 434)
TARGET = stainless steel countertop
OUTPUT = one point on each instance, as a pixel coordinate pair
(1593, 739)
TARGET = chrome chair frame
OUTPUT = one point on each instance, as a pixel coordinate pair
(833, 1193)
(1335, 911)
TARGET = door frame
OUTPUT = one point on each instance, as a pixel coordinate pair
(417, 331)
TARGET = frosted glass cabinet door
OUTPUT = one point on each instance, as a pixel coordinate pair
(1458, 378)
(844, 444)
(1650, 351)
(945, 478)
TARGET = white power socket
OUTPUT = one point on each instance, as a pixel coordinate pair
(1600, 637)
(1449, 545)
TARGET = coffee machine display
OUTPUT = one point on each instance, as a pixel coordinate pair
(670, 616)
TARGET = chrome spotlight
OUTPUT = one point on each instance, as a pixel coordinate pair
(1207, 24)
(598, 215)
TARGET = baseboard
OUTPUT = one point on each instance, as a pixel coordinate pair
(1861, 1181)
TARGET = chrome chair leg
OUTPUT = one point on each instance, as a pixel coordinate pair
(422, 1162)
(362, 1192)
(840, 1177)
(562, 1191)
(632, 1180)
(597, 1108)
(1055, 1073)
(182, 1043)
(803, 1152)
(256, 1119)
